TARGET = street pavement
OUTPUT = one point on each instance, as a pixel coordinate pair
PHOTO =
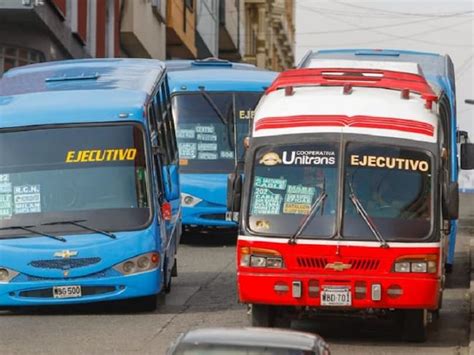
(204, 295)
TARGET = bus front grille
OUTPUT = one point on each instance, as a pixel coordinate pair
(313, 263)
(364, 264)
(64, 264)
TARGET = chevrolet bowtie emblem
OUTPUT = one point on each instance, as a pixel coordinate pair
(338, 266)
(65, 254)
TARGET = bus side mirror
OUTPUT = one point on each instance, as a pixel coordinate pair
(234, 194)
(467, 156)
(451, 200)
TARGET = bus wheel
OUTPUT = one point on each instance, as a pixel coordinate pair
(263, 316)
(414, 326)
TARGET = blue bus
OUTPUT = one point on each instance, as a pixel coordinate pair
(213, 102)
(439, 72)
(89, 188)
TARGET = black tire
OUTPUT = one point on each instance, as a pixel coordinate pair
(263, 316)
(414, 325)
(174, 270)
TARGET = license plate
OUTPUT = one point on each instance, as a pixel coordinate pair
(336, 296)
(67, 291)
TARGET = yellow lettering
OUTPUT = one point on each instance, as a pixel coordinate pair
(122, 153)
(371, 161)
(354, 160)
(381, 162)
(70, 156)
(85, 155)
(423, 166)
(132, 153)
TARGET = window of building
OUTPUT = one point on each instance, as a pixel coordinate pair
(11, 57)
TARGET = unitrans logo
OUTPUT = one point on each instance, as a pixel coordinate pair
(311, 157)
(270, 159)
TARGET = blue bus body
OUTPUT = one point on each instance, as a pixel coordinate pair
(198, 89)
(439, 72)
(89, 212)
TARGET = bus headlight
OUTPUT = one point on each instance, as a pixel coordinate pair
(258, 257)
(6, 275)
(188, 200)
(416, 263)
(140, 263)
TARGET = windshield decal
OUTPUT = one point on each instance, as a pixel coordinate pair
(6, 206)
(206, 137)
(99, 155)
(266, 202)
(207, 156)
(187, 151)
(389, 163)
(186, 133)
(27, 199)
(206, 129)
(299, 157)
(270, 183)
(207, 147)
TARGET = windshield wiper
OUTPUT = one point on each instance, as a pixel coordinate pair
(365, 216)
(214, 107)
(78, 224)
(27, 229)
(308, 217)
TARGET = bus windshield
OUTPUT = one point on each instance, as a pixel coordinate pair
(211, 127)
(287, 180)
(96, 174)
(393, 185)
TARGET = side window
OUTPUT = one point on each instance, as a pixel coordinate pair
(161, 127)
(444, 112)
(157, 160)
(169, 133)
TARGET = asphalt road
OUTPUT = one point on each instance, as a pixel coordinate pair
(203, 295)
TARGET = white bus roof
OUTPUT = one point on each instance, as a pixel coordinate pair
(404, 67)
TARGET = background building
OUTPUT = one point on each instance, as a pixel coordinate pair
(270, 33)
(33, 31)
(181, 29)
(143, 28)
(231, 29)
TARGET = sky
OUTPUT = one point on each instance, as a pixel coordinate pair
(445, 27)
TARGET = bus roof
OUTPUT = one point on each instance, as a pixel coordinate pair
(436, 68)
(216, 75)
(52, 93)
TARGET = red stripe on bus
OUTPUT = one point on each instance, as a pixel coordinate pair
(396, 124)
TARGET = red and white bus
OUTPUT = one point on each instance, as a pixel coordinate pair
(344, 202)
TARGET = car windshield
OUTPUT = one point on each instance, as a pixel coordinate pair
(393, 185)
(287, 180)
(93, 173)
(211, 128)
(217, 349)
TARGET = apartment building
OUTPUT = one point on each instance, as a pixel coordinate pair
(34, 31)
(270, 33)
(181, 29)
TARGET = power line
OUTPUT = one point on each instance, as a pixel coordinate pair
(363, 28)
(406, 37)
(398, 12)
